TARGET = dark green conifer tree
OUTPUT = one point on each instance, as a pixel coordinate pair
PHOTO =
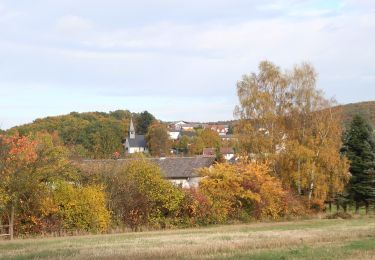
(359, 147)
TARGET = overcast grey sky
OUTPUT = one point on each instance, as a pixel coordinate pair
(176, 59)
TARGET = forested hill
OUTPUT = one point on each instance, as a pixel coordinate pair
(90, 134)
(367, 109)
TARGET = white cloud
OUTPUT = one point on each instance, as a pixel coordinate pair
(73, 24)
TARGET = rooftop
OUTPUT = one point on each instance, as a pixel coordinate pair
(172, 167)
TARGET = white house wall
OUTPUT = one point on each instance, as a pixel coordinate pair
(187, 183)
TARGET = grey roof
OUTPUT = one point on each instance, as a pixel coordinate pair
(138, 141)
(189, 134)
(182, 167)
(172, 167)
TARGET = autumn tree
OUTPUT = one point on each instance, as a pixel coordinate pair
(286, 120)
(28, 165)
(264, 101)
(158, 139)
(197, 145)
(210, 138)
(245, 190)
(139, 195)
(359, 146)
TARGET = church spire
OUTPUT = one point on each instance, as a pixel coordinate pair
(131, 130)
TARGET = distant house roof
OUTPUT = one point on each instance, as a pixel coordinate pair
(226, 150)
(212, 151)
(189, 134)
(138, 141)
(209, 151)
(182, 167)
(172, 167)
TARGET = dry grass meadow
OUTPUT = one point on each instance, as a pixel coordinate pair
(307, 239)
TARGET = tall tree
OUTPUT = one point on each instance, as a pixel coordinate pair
(286, 121)
(264, 101)
(158, 139)
(143, 122)
(211, 139)
(27, 166)
(359, 146)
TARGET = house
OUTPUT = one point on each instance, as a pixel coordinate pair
(174, 135)
(189, 134)
(227, 152)
(181, 171)
(188, 127)
(207, 152)
(177, 126)
(134, 143)
(222, 130)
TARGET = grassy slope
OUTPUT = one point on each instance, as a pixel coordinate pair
(311, 239)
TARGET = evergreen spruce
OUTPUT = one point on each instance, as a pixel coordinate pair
(359, 147)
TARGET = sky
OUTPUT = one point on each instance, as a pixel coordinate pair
(179, 60)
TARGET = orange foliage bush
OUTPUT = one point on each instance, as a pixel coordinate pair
(247, 191)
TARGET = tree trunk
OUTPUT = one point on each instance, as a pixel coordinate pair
(345, 207)
(337, 206)
(11, 223)
(367, 206)
(2, 227)
(299, 177)
(356, 207)
(311, 191)
(330, 206)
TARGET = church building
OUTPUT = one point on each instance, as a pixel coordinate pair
(134, 143)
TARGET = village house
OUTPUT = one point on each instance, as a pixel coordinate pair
(222, 130)
(134, 143)
(226, 152)
(174, 135)
(177, 126)
(183, 126)
(182, 171)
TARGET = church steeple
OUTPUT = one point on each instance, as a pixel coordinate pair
(131, 130)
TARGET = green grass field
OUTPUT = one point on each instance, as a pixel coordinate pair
(308, 239)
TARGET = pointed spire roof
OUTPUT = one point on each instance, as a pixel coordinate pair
(131, 127)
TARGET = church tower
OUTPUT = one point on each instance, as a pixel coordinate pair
(131, 130)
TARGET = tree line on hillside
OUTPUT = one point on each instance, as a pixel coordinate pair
(101, 135)
(92, 134)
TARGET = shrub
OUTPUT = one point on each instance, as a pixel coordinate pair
(244, 191)
(195, 209)
(139, 195)
(80, 208)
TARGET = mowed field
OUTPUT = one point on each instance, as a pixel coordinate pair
(308, 239)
